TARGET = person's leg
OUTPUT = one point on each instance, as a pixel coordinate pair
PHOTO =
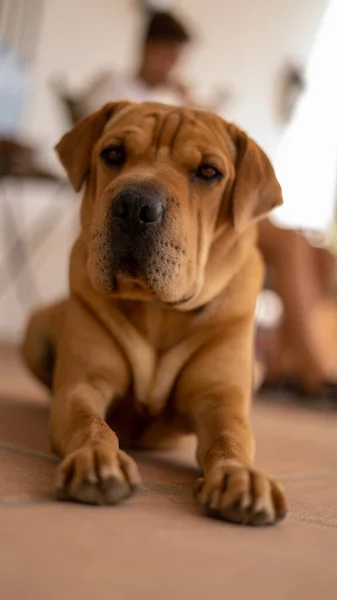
(292, 259)
(325, 270)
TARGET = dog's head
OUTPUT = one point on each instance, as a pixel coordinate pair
(162, 183)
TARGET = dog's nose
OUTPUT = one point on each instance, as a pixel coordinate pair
(135, 212)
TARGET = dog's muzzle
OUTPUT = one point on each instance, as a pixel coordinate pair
(136, 225)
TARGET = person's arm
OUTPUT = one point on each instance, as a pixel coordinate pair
(184, 92)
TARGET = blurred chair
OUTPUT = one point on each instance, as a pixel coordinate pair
(69, 105)
(18, 169)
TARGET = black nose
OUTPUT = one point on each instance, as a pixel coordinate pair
(135, 212)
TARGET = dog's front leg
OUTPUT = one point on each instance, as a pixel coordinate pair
(214, 393)
(90, 372)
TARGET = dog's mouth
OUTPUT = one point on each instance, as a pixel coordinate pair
(130, 267)
(180, 302)
(129, 274)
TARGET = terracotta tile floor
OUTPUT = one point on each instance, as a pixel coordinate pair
(157, 546)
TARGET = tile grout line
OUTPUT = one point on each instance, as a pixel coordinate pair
(27, 500)
(32, 453)
(284, 478)
(313, 521)
(307, 474)
(148, 489)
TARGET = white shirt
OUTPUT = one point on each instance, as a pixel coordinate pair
(112, 87)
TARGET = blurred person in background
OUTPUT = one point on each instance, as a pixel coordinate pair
(163, 44)
(302, 349)
(155, 79)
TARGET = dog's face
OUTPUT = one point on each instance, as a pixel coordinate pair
(162, 183)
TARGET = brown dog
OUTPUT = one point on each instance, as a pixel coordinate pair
(157, 335)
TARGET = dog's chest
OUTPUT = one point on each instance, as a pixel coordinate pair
(163, 329)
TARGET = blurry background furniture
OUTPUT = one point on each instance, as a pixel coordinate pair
(32, 197)
(18, 170)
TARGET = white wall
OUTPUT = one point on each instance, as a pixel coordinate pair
(241, 43)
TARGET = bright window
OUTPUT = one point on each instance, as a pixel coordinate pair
(306, 161)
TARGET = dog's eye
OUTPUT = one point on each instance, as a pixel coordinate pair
(114, 156)
(207, 173)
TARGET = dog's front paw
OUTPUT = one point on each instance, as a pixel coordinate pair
(96, 474)
(241, 495)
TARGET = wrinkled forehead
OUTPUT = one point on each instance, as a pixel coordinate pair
(159, 126)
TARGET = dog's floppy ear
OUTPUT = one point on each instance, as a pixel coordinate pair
(256, 190)
(74, 149)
